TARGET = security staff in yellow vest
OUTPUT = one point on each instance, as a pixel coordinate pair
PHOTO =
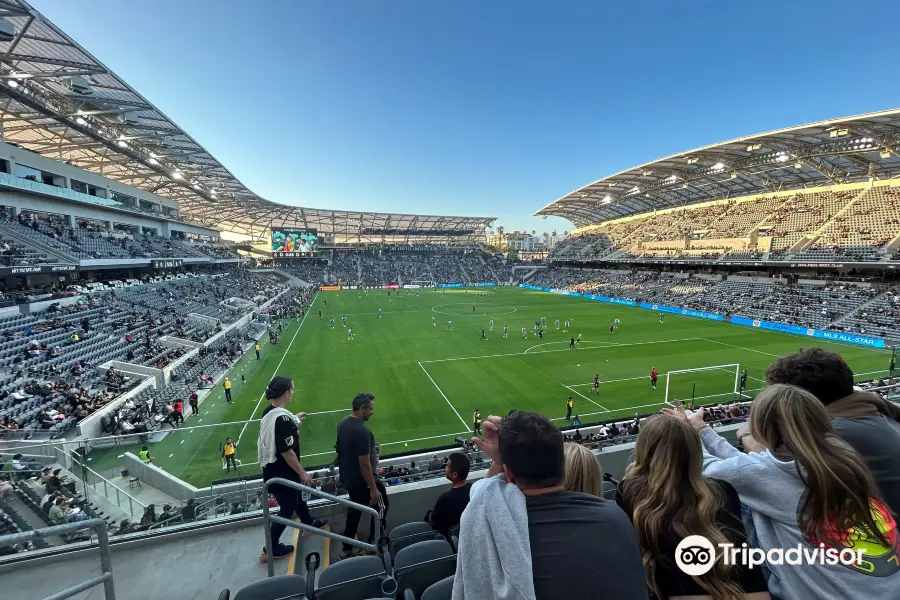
(227, 386)
(258, 348)
(228, 454)
(569, 404)
(145, 456)
(476, 423)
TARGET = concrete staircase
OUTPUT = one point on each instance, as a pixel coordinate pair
(466, 277)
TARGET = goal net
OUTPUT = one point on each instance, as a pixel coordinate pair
(704, 384)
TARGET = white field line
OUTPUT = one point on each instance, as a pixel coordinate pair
(422, 439)
(647, 377)
(427, 374)
(283, 356)
(742, 348)
(439, 360)
(586, 398)
(567, 343)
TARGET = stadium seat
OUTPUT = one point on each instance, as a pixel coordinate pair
(421, 565)
(357, 577)
(442, 590)
(411, 533)
(281, 587)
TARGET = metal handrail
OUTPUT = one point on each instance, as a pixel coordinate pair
(106, 482)
(269, 518)
(99, 525)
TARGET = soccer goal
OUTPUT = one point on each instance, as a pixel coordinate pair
(704, 383)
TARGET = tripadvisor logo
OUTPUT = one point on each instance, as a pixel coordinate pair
(695, 555)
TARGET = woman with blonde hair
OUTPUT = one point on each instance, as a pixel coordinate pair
(807, 489)
(667, 498)
(582, 470)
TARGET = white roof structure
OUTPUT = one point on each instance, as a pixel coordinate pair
(61, 102)
(836, 151)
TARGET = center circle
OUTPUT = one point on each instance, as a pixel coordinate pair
(465, 310)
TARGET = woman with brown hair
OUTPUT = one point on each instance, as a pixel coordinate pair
(807, 489)
(583, 472)
(666, 496)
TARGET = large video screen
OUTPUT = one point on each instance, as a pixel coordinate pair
(287, 242)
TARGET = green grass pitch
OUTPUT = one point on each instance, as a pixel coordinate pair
(428, 380)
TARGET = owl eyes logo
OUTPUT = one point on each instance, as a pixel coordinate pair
(695, 555)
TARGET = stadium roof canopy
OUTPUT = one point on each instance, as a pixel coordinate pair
(59, 101)
(830, 152)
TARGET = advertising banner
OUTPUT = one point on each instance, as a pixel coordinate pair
(836, 336)
(620, 301)
(700, 314)
(330, 288)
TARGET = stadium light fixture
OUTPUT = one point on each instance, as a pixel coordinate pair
(13, 83)
(671, 179)
(753, 147)
(798, 164)
(885, 154)
(177, 175)
(153, 161)
(783, 157)
(692, 160)
(81, 120)
(607, 200)
(122, 144)
(718, 166)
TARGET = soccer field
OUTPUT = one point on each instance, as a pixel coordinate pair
(428, 380)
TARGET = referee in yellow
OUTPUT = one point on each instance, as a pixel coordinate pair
(227, 386)
(257, 351)
(476, 422)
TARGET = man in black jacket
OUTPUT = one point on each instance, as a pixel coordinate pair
(450, 505)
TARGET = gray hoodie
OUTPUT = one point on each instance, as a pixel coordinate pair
(494, 560)
(772, 490)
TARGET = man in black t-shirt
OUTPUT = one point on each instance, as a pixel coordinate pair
(357, 461)
(450, 505)
(286, 465)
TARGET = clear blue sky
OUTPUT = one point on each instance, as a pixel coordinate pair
(490, 108)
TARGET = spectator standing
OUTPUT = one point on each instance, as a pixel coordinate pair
(806, 487)
(194, 401)
(863, 419)
(357, 461)
(278, 454)
(513, 543)
(450, 505)
(227, 386)
(665, 495)
(582, 470)
(178, 412)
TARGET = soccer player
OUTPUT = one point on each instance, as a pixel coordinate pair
(654, 375)
(506, 331)
(556, 323)
(349, 334)
(524, 333)
(571, 343)
(660, 317)
(569, 404)
(320, 315)
(541, 333)
(331, 322)
(476, 422)
(483, 336)
(344, 320)
(326, 303)
(449, 324)
(379, 312)
(566, 329)
(578, 339)
(543, 322)
(744, 380)
(491, 324)
(612, 329)
(473, 309)
(597, 383)
(616, 322)
(433, 322)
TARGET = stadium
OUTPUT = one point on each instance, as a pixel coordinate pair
(149, 298)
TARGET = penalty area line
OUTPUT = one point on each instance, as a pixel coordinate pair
(586, 398)
(441, 392)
